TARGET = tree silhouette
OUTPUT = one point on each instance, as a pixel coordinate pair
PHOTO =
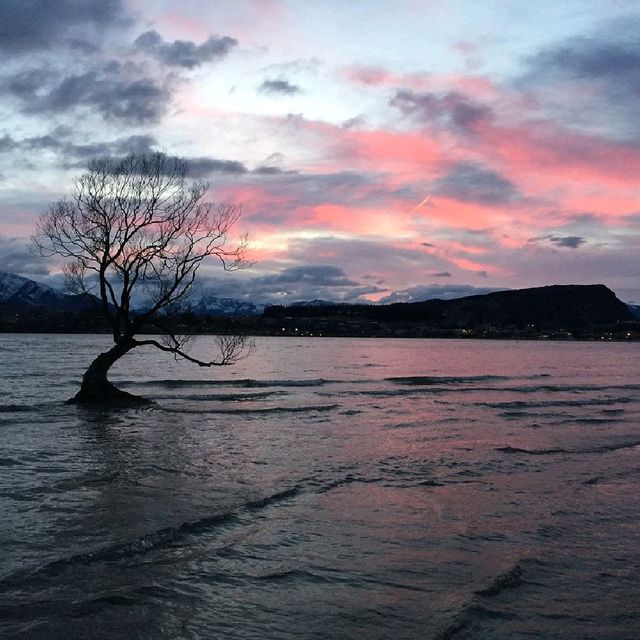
(138, 229)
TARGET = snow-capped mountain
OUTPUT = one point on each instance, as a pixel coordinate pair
(18, 291)
(10, 283)
(211, 305)
(312, 303)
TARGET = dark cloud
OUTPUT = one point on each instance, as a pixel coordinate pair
(292, 284)
(570, 242)
(269, 170)
(279, 87)
(7, 143)
(117, 92)
(185, 53)
(344, 188)
(354, 123)
(450, 109)
(27, 84)
(16, 256)
(591, 82)
(138, 144)
(73, 154)
(472, 183)
(202, 167)
(597, 58)
(27, 25)
(318, 275)
(400, 263)
(324, 282)
(431, 291)
(441, 274)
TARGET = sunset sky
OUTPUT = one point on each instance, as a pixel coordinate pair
(332, 121)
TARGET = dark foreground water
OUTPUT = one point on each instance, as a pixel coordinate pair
(324, 489)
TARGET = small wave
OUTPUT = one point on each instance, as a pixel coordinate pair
(531, 452)
(430, 483)
(396, 393)
(542, 452)
(571, 388)
(16, 408)
(291, 574)
(10, 462)
(511, 579)
(616, 447)
(256, 410)
(115, 599)
(242, 382)
(585, 420)
(222, 397)
(512, 415)
(272, 499)
(434, 380)
(349, 479)
(460, 623)
(150, 541)
(524, 404)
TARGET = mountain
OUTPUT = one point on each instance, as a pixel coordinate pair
(211, 305)
(10, 283)
(313, 303)
(551, 307)
(635, 310)
(16, 291)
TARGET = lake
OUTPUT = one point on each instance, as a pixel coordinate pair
(324, 488)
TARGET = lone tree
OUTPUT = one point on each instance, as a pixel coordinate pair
(138, 229)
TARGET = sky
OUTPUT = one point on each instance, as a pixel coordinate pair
(382, 151)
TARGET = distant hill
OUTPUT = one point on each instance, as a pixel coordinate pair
(550, 307)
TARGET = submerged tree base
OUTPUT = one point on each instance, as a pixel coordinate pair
(106, 395)
(97, 391)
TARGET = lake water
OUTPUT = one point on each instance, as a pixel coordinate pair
(324, 488)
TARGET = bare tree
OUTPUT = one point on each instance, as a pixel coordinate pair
(138, 229)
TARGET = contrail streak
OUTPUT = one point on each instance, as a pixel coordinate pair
(420, 205)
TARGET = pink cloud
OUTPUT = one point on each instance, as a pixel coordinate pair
(545, 147)
(370, 76)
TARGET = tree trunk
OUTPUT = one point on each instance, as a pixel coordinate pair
(97, 390)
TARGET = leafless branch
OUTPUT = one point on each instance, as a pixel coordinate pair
(140, 227)
(232, 348)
